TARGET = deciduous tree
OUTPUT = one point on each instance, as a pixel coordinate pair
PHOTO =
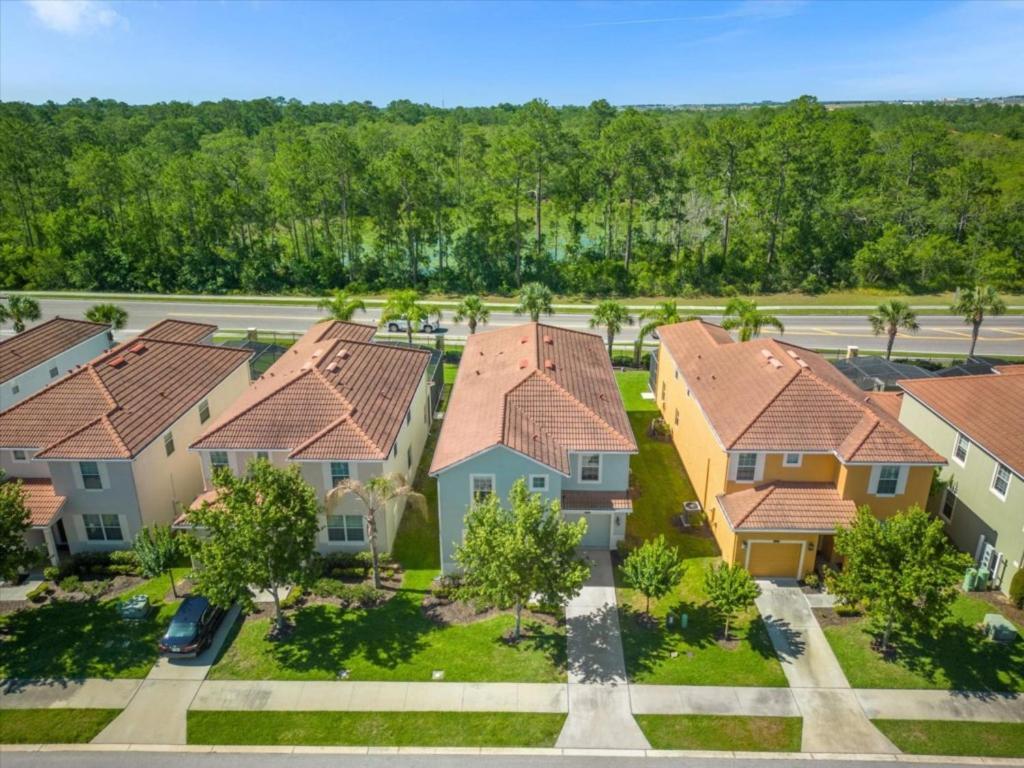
(15, 521)
(730, 590)
(653, 569)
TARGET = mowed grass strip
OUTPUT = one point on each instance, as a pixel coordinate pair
(945, 737)
(722, 733)
(376, 729)
(53, 726)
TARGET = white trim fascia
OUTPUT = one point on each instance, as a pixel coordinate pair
(47, 362)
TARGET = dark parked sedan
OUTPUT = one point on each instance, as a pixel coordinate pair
(192, 628)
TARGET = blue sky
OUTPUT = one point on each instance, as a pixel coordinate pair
(479, 53)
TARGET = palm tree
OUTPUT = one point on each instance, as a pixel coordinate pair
(406, 305)
(612, 315)
(534, 299)
(110, 314)
(375, 494)
(890, 318)
(665, 313)
(972, 304)
(473, 311)
(19, 309)
(341, 305)
(743, 314)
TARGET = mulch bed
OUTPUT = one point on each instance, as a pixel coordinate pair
(827, 617)
(453, 612)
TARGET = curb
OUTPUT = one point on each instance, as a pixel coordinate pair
(511, 752)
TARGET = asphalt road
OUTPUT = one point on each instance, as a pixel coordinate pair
(242, 760)
(938, 334)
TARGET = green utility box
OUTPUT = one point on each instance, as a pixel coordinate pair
(982, 583)
(970, 579)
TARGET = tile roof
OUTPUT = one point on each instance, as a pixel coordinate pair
(585, 500)
(114, 406)
(179, 330)
(43, 504)
(536, 389)
(35, 346)
(989, 409)
(332, 395)
(767, 395)
(783, 506)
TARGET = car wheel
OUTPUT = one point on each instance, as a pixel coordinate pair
(428, 329)
(393, 328)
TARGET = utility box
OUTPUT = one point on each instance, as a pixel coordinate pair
(970, 579)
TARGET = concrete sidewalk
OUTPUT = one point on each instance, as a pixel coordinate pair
(91, 693)
(267, 695)
(600, 713)
(712, 700)
(941, 705)
(157, 712)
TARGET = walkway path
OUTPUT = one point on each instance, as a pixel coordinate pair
(600, 714)
(834, 720)
(157, 712)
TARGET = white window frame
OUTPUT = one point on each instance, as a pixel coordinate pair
(263, 455)
(472, 486)
(329, 473)
(344, 527)
(960, 436)
(227, 464)
(787, 463)
(734, 467)
(204, 405)
(104, 485)
(995, 474)
(103, 526)
(25, 458)
(600, 468)
(876, 477)
(534, 489)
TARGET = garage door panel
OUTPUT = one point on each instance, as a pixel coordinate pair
(775, 560)
(598, 533)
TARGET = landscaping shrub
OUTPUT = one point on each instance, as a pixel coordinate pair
(52, 573)
(70, 584)
(295, 597)
(126, 561)
(351, 595)
(94, 588)
(811, 580)
(40, 593)
(842, 609)
(1017, 588)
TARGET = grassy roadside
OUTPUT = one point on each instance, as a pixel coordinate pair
(376, 729)
(725, 733)
(961, 738)
(53, 726)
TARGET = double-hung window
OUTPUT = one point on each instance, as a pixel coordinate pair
(590, 468)
(746, 467)
(204, 411)
(1001, 481)
(168, 443)
(219, 460)
(960, 449)
(481, 486)
(91, 478)
(888, 480)
(339, 473)
(103, 527)
(345, 528)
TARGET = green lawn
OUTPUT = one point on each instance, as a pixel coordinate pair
(63, 640)
(396, 641)
(53, 726)
(376, 729)
(714, 732)
(957, 658)
(661, 485)
(945, 737)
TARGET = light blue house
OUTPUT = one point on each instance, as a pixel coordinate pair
(538, 403)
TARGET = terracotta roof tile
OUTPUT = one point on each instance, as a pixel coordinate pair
(43, 504)
(585, 500)
(117, 404)
(989, 409)
(783, 506)
(332, 395)
(536, 389)
(768, 395)
(36, 345)
(178, 330)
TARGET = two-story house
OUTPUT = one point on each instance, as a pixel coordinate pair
(977, 424)
(538, 403)
(340, 406)
(103, 451)
(780, 447)
(37, 356)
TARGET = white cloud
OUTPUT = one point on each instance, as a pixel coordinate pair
(73, 17)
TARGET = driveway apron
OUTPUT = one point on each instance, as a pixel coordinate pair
(600, 716)
(158, 710)
(834, 720)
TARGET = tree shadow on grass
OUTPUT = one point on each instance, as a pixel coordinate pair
(70, 640)
(961, 654)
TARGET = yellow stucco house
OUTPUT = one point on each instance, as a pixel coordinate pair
(781, 447)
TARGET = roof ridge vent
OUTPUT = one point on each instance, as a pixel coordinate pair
(767, 353)
(117, 361)
(139, 346)
(548, 339)
(792, 353)
(344, 354)
(775, 363)
(332, 366)
(549, 364)
(523, 363)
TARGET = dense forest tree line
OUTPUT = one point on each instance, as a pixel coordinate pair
(278, 196)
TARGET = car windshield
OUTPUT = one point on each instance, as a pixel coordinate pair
(181, 629)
